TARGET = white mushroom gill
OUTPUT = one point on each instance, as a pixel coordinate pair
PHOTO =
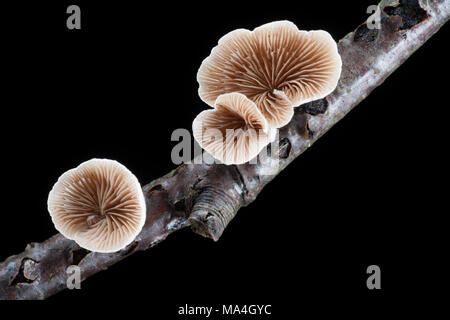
(99, 204)
(235, 131)
(276, 66)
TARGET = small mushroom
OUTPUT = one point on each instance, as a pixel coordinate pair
(276, 66)
(99, 204)
(235, 131)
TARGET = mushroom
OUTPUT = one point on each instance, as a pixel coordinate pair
(99, 204)
(235, 131)
(276, 65)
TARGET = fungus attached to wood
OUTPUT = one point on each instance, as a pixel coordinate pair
(235, 131)
(214, 194)
(99, 204)
(276, 66)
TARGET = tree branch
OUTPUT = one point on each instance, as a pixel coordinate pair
(206, 197)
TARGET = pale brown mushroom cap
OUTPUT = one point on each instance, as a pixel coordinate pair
(273, 58)
(99, 204)
(235, 131)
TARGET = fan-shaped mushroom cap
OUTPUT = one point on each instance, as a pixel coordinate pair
(276, 66)
(235, 131)
(99, 204)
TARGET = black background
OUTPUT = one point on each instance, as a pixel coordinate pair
(368, 192)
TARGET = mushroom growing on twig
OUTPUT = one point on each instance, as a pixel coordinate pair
(99, 204)
(276, 66)
(235, 131)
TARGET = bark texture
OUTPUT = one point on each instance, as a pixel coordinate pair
(206, 197)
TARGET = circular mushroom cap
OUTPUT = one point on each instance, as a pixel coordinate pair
(274, 58)
(235, 131)
(99, 204)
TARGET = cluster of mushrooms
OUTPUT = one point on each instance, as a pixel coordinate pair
(253, 80)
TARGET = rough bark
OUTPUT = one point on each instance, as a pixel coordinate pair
(206, 197)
